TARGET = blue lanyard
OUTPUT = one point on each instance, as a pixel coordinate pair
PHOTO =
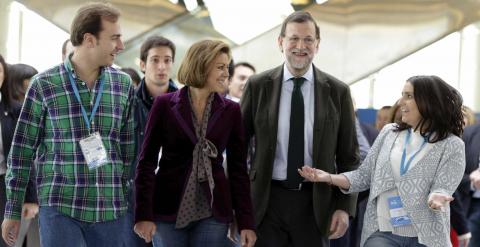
(404, 167)
(77, 95)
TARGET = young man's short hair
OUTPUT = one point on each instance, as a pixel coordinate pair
(89, 20)
(155, 41)
(245, 64)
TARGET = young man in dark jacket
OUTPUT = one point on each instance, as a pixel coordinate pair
(157, 55)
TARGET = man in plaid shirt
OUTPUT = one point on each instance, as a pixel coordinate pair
(77, 128)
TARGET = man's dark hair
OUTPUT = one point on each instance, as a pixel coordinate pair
(89, 20)
(17, 74)
(245, 64)
(300, 17)
(231, 69)
(156, 41)
(386, 107)
(5, 90)
(133, 74)
(64, 47)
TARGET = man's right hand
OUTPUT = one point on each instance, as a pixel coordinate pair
(475, 179)
(10, 230)
(145, 230)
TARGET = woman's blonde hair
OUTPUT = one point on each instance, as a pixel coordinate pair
(195, 66)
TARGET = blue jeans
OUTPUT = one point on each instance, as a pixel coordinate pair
(131, 238)
(474, 222)
(206, 232)
(388, 239)
(57, 229)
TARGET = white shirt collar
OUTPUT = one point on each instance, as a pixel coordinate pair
(308, 75)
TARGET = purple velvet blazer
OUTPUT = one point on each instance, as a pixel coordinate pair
(170, 127)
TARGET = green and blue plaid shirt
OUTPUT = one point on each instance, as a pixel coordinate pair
(48, 133)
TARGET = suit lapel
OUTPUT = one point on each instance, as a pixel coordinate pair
(272, 91)
(322, 95)
(183, 113)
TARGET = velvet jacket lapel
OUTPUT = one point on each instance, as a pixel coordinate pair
(183, 112)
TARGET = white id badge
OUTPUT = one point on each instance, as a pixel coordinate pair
(93, 151)
(398, 216)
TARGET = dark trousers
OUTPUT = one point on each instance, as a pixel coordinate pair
(354, 231)
(474, 222)
(289, 220)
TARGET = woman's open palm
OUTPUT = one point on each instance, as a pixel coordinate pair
(314, 175)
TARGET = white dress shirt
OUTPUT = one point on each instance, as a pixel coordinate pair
(281, 152)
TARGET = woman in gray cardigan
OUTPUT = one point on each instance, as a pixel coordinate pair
(412, 169)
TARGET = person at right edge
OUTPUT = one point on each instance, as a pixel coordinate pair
(299, 115)
(412, 169)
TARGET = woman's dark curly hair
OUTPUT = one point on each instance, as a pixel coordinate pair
(440, 106)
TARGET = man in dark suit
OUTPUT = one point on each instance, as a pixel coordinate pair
(299, 116)
(469, 189)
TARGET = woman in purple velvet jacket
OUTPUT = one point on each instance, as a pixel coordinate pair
(190, 201)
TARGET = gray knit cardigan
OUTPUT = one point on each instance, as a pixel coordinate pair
(440, 170)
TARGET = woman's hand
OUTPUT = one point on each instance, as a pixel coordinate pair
(437, 201)
(315, 175)
(145, 229)
(247, 238)
(29, 210)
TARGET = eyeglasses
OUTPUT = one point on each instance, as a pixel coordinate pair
(306, 41)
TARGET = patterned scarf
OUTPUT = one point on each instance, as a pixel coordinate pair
(194, 205)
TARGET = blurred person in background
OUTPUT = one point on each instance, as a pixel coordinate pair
(395, 115)
(383, 117)
(366, 135)
(133, 75)
(19, 79)
(469, 116)
(460, 233)
(469, 189)
(241, 72)
(157, 55)
(67, 49)
(9, 112)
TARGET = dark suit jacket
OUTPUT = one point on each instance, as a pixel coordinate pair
(170, 127)
(370, 132)
(8, 122)
(334, 139)
(461, 205)
(471, 137)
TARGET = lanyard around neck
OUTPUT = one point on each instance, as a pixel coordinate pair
(77, 96)
(404, 167)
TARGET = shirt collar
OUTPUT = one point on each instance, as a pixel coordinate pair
(69, 66)
(308, 75)
(145, 95)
